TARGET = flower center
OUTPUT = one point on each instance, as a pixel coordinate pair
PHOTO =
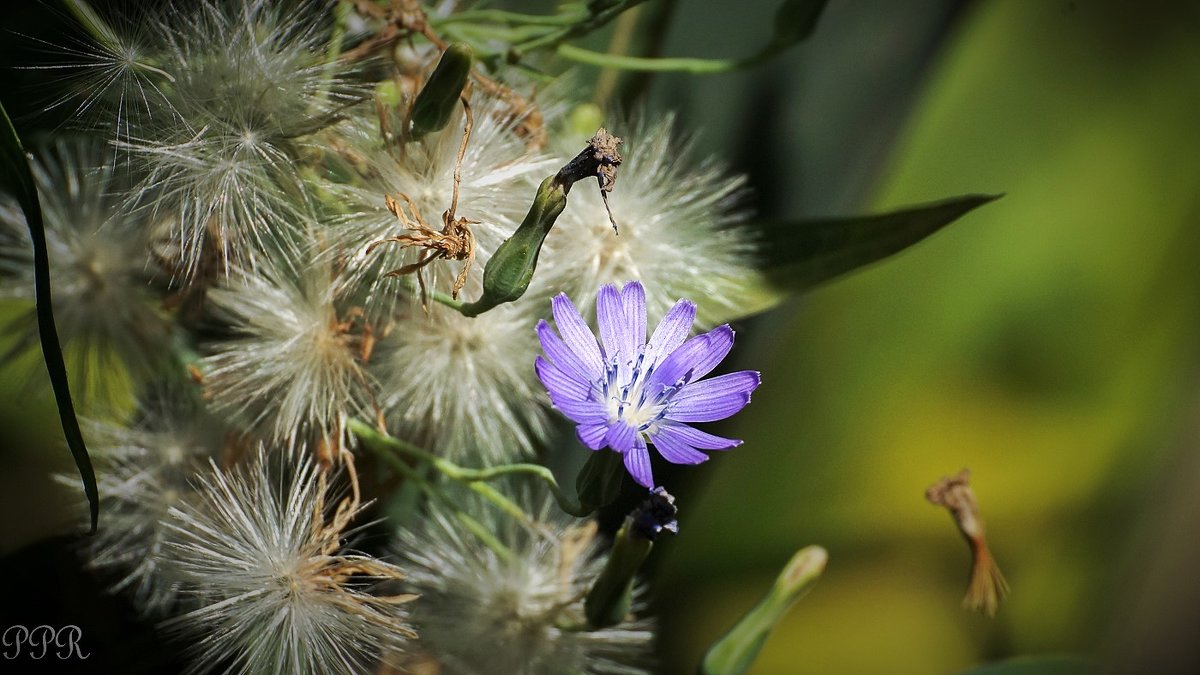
(629, 396)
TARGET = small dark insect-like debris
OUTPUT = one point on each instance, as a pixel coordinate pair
(600, 159)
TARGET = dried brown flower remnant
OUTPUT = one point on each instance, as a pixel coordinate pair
(600, 159)
(332, 572)
(456, 241)
(987, 586)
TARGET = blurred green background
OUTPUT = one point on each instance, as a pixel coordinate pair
(1047, 341)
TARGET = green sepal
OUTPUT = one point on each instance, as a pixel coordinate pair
(599, 481)
(610, 598)
(436, 102)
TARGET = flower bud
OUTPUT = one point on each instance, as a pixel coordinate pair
(435, 104)
(510, 269)
(610, 598)
(734, 653)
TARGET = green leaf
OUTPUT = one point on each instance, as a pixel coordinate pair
(92, 22)
(795, 21)
(797, 256)
(16, 177)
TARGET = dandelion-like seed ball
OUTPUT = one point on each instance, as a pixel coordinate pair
(260, 546)
(461, 386)
(480, 613)
(677, 220)
(291, 368)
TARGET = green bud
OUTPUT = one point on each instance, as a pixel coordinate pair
(735, 653)
(435, 104)
(510, 269)
(599, 481)
(610, 598)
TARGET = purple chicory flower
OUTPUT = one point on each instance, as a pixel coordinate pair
(626, 392)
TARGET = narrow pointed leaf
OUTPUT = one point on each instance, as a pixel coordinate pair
(92, 22)
(16, 178)
(797, 256)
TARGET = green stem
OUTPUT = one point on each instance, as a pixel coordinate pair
(370, 436)
(618, 45)
(468, 521)
(582, 26)
(436, 296)
(642, 64)
(478, 34)
(501, 16)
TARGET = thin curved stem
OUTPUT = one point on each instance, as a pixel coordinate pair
(436, 296)
(468, 521)
(582, 26)
(466, 475)
(642, 64)
(501, 16)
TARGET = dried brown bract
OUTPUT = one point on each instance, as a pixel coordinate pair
(455, 241)
(987, 586)
(332, 572)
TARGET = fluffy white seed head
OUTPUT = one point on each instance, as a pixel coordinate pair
(142, 472)
(110, 81)
(260, 550)
(499, 177)
(104, 307)
(480, 613)
(238, 85)
(464, 387)
(677, 222)
(291, 369)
